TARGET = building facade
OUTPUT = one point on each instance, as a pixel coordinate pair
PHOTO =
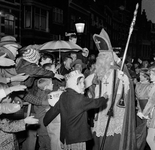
(40, 21)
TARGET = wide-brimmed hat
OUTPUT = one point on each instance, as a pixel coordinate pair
(9, 40)
(78, 61)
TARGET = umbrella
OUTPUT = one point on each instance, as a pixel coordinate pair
(60, 45)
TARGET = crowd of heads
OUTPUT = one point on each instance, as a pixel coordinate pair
(140, 69)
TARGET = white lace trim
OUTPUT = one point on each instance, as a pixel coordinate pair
(115, 125)
(116, 122)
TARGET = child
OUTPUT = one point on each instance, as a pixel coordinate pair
(8, 125)
(57, 83)
(45, 86)
(72, 107)
(53, 127)
(49, 137)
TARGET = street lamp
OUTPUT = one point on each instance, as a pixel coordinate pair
(80, 25)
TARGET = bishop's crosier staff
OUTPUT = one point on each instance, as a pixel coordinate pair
(110, 112)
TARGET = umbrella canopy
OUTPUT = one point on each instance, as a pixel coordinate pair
(60, 45)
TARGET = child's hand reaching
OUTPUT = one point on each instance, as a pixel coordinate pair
(19, 77)
(31, 120)
(59, 76)
(18, 88)
(105, 96)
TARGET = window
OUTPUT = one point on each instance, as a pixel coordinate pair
(41, 19)
(72, 23)
(92, 20)
(28, 17)
(57, 15)
(9, 22)
(37, 18)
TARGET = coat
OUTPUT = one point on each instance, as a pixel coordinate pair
(73, 107)
(8, 139)
(33, 70)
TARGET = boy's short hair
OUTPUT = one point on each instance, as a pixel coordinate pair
(43, 82)
(47, 65)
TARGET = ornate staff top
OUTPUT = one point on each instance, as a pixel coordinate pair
(134, 18)
(130, 32)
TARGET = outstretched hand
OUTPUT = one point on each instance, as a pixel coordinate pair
(141, 115)
(19, 77)
(31, 120)
(59, 76)
(105, 96)
(6, 61)
(18, 88)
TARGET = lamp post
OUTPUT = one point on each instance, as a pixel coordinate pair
(80, 25)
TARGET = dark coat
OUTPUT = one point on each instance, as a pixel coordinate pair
(33, 70)
(73, 107)
(63, 71)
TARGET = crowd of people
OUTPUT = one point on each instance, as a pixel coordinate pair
(81, 102)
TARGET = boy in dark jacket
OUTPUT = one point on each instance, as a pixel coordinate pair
(72, 107)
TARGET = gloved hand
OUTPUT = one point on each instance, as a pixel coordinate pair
(124, 79)
(141, 115)
(8, 108)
